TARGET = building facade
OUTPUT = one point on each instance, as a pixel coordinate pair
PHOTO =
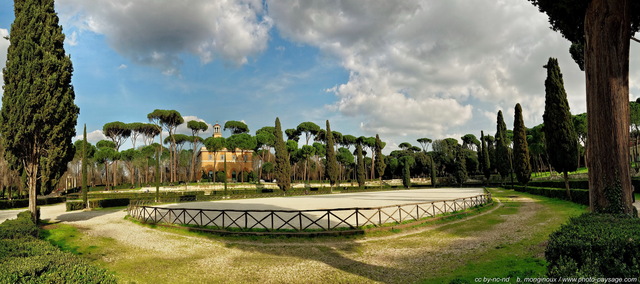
(236, 161)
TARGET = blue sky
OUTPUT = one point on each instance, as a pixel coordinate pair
(403, 69)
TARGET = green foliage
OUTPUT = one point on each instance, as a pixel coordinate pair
(20, 203)
(560, 136)
(221, 176)
(117, 131)
(26, 259)
(38, 115)
(567, 17)
(332, 171)
(72, 205)
(460, 172)
(521, 163)
(360, 174)
(595, 245)
(282, 168)
(236, 127)
(21, 227)
(309, 129)
(502, 162)
(379, 162)
(580, 196)
(407, 162)
(485, 159)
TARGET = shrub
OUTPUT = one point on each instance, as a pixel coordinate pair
(19, 227)
(27, 259)
(580, 196)
(595, 245)
(21, 203)
(73, 205)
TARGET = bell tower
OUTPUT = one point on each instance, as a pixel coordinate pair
(217, 131)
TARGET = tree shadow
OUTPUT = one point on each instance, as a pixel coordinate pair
(334, 255)
(75, 216)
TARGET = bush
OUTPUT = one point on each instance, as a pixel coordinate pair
(27, 259)
(19, 227)
(21, 203)
(97, 203)
(580, 196)
(595, 245)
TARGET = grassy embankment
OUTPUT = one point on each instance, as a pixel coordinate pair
(502, 242)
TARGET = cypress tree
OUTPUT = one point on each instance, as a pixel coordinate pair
(379, 162)
(560, 137)
(332, 161)
(38, 115)
(502, 150)
(360, 164)
(407, 162)
(433, 173)
(84, 166)
(460, 173)
(522, 164)
(282, 167)
(486, 161)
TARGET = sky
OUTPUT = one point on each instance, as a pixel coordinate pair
(402, 69)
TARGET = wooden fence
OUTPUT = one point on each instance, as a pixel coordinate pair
(301, 220)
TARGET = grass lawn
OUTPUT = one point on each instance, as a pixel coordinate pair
(508, 240)
(547, 174)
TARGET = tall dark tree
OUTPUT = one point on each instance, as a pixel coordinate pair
(360, 170)
(521, 163)
(332, 162)
(460, 172)
(379, 161)
(282, 168)
(502, 149)
(407, 162)
(600, 31)
(38, 116)
(561, 138)
(84, 166)
(485, 160)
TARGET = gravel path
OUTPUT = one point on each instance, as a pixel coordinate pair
(142, 254)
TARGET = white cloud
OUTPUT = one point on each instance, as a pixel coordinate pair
(157, 33)
(92, 137)
(418, 66)
(4, 45)
(72, 39)
(183, 129)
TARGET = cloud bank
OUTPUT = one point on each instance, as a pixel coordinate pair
(419, 66)
(158, 33)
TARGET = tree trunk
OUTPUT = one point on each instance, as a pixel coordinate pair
(566, 185)
(607, 32)
(32, 176)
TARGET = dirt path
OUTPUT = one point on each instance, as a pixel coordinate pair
(141, 254)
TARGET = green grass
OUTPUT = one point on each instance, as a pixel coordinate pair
(548, 174)
(430, 253)
(524, 258)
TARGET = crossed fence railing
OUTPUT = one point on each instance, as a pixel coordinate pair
(301, 220)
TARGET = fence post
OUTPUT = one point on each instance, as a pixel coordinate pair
(400, 212)
(357, 212)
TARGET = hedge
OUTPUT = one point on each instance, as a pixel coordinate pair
(21, 203)
(582, 183)
(595, 245)
(27, 259)
(97, 203)
(580, 196)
